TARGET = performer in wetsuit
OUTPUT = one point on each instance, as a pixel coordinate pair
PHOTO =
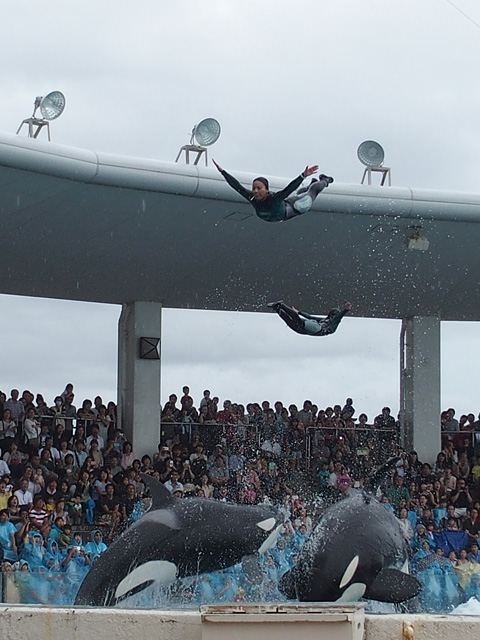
(306, 324)
(279, 206)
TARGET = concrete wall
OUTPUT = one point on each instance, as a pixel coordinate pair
(44, 623)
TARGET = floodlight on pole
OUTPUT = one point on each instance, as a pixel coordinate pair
(51, 107)
(205, 133)
(372, 155)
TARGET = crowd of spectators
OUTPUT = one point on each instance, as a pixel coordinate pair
(62, 469)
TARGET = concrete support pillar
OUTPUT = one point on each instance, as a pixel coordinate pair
(420, 386)
(139, 333)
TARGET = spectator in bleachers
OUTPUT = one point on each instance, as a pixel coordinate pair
(218, 473)
(384, 420)
(224, 416)
(103, 422)
(23, 495)
(397, 492)
(16, 407)
(471, 525)
(95, 435)
(31, 430)
(451, 423)
(87, 415)
(172, 484)
(461, 499)
(7, 537)
(39, 518)
(8, 429)
(263, 455)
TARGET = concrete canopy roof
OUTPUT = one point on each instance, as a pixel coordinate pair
(80, 225)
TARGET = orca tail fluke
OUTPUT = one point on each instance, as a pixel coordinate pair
(393, 585)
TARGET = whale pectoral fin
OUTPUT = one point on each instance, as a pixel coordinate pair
(392, 585)
(352, 593)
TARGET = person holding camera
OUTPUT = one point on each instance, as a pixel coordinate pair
(461, 499)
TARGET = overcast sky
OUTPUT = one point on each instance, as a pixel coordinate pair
(291, 84)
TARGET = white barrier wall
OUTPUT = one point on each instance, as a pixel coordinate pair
(44, 623)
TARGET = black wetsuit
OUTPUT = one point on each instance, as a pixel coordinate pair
(276, 207)
(306, 324)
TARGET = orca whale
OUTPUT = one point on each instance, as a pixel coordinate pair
(174, 539)
(356, 550)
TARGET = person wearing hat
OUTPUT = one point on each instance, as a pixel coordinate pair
(278, 206)
(305, 324)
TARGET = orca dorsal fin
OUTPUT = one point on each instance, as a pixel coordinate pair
(160, 495)
(393, 585)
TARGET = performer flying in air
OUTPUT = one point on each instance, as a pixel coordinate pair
(306, 324)
(279, 206)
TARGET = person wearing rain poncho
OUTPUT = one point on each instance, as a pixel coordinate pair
(218, 586)
(440, 586)
(299, 538)
(76, 560)
(424, 552)
(306, 324)
(96, 546)
(74, 567)
(281, 556)
(33, 551)
(34, 586)
(7, 537)
(419, 537)
(52, 558)
(465, 569)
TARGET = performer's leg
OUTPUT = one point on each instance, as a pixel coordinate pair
(289, 316)
(298, 204)
(305, 189)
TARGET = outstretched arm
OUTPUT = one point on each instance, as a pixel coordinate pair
(334, 321)
(346, 308)
(217, 165)
(234, 183)
(294, 184)
(309, 171)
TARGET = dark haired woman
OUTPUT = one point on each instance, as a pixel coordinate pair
(276, 207)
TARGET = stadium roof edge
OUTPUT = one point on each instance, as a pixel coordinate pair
(82, 165)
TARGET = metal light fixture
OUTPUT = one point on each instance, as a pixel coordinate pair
(51, 107)
(371, 154)
(205, 133)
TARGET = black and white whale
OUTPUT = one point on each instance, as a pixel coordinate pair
(174, 539)
(356, 550)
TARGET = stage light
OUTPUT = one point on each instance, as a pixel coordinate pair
(372, 155)
(205, 133)
(51, 107)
